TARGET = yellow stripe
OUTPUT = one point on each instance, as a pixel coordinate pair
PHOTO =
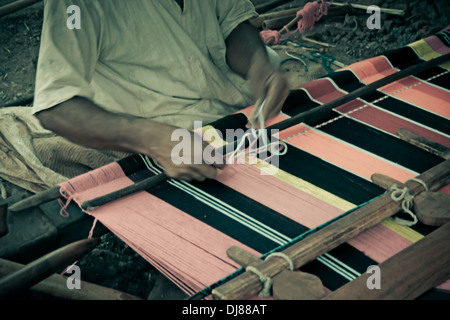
(423, 50)
(404, 231)
(306, 187)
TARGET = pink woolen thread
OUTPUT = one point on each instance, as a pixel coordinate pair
(267, 34)
(311, 13)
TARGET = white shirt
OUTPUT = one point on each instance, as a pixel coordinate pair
(146, 58)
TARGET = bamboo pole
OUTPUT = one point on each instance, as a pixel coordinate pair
(406, 275)
(331, 236)
(363, 7)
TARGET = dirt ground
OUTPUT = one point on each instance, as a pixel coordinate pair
(113, 263)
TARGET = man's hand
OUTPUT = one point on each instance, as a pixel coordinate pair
(168, 151)
(247, 56)
(99, 129)
(268, 84)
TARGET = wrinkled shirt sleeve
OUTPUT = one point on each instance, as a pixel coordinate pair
(230, 13)
(67, 57)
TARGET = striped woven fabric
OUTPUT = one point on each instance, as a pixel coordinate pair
(184, 229)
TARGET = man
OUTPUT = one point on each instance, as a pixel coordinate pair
(136, 70)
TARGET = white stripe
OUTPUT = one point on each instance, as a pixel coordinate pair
(335, 268)
(345, 266)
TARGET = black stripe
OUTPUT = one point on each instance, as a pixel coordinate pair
(328, 177)
(298, 102)
(444, 36)
(382, 144)
(403, 58)
(415, 114)
(346, 80)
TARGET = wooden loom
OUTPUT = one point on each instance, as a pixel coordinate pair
(330, 136)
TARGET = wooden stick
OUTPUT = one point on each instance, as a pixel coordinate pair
(331, 236)
(56, 286)
(276, 23)
(37, 199)
(16, 6)
(282, 31)
(406, 275)
(363, 7)
(140, 186)
(258, 22)
(425, 144)
(43, 267)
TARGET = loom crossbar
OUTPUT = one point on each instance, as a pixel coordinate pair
(331, 236)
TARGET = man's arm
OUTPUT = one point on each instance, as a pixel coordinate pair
(86, 124)
(247, 56)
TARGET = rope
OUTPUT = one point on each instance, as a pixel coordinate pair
(284, 256)
(404, 195)
(311, 13)
(265, 280)
(257, 134)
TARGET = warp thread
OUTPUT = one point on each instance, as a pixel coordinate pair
(265, 280)
(311, 13)
(404, 195)
(63, 212)
(257, 134)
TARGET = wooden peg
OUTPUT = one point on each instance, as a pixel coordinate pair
(425, 144)
(286, 285)
(297, 285)
(431, 208)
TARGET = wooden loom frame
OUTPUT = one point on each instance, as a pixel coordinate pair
(348, 222)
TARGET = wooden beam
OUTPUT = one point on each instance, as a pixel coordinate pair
(406, 275)
(55, 286)
(331, 236)
(43, 267)
(37, 199)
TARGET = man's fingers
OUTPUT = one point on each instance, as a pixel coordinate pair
(277, 92)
